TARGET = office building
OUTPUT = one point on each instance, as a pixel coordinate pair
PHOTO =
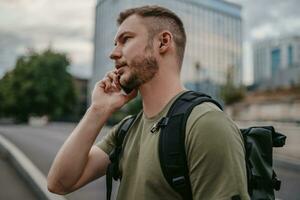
(277, 62)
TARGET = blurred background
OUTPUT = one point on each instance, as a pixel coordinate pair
(244, 53)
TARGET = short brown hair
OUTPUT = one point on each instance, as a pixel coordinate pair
(166, 19)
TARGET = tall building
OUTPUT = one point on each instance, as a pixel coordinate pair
(276, 61)
(214, 39)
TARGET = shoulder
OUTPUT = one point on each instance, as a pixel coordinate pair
(215, 152)
(208, 124)
(124, 120)
(205, 113)
(108, 142)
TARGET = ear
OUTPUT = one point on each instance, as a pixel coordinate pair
(165, 39)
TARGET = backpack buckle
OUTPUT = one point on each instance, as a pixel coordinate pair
(161, 123)
(179, 182)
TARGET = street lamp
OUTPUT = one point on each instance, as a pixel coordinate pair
(198, 79)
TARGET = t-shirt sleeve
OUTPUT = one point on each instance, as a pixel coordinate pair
(107, 143)
(215, 153)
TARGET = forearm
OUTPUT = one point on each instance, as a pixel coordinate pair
(72, 158)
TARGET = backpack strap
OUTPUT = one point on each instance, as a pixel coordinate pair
(172, 153)
(113, 168)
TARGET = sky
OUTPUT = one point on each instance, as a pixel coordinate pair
(64, 25)
(263, 19)
(68, 26)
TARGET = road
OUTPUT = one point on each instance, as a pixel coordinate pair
(41, 144)
(290, 178)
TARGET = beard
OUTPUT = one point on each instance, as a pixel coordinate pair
(141, 70)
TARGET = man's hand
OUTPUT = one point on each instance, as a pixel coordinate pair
(107, 93)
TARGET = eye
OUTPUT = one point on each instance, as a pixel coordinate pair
(125, 39)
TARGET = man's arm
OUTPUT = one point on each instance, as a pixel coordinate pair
(78, 161)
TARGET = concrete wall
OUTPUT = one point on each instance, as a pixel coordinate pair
(275, 111)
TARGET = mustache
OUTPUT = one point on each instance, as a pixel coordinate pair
(120, 64)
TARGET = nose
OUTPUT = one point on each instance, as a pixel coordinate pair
(116, 53)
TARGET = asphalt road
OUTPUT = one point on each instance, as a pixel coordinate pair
(41, 144)
(290, 177)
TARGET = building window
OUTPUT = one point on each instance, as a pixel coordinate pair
(290, 55)
(275, 60)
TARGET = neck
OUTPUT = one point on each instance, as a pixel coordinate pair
(158, 92)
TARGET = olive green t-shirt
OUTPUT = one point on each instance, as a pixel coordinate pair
(215, 155)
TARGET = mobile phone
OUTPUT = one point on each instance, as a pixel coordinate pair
(126, 90)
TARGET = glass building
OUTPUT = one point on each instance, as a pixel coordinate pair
(214, 40)
(275, 60)
(273, 56)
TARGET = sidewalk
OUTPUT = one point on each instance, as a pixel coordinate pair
(12, 185)
(291, 150)
(15, 161)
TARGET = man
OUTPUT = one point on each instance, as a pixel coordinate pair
(148, 54)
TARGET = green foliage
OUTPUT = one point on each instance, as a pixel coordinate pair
(231, 93)
(38, 85)
(134, 106)
(131, 108)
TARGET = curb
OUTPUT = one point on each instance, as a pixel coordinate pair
(32, 175)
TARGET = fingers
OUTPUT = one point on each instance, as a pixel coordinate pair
(111, 82)
(114, 77)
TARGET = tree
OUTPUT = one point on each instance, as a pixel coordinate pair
(38, 85)
(229, 92)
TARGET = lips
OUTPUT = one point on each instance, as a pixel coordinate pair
(118, 66)
(120, 71)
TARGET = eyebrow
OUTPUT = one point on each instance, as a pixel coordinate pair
(122, 35)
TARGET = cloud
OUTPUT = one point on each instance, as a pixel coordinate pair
(264, 31)
(12, 45)
(269, 18)
(68, 26)
(266, 19)
(65, 25)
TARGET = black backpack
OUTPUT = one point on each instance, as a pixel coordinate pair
(258, 142)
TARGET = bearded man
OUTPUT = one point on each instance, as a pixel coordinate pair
(148, 55)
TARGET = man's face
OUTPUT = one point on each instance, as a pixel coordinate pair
(134, 54)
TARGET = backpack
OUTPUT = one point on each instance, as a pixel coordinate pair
(258, 141)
